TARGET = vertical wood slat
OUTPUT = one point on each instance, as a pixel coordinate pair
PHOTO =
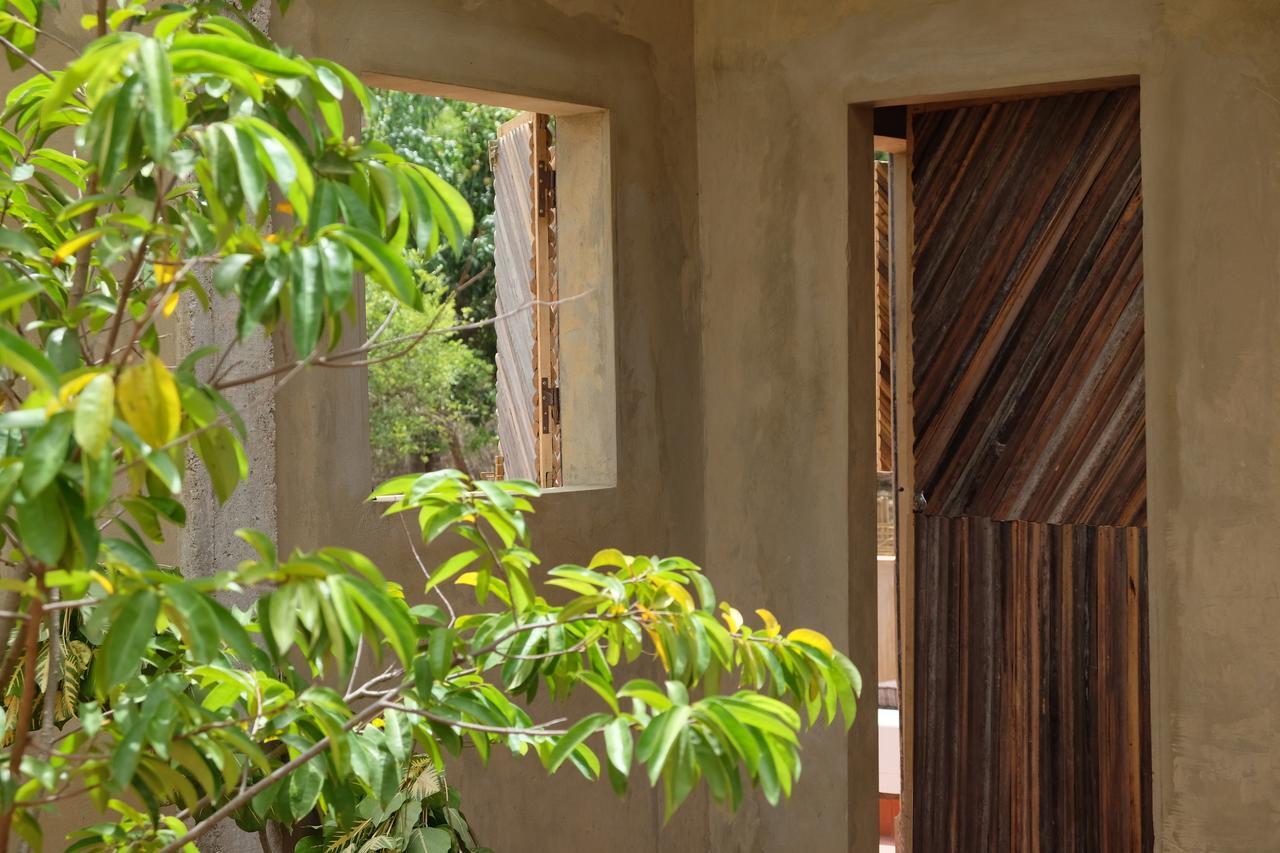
(1031, 716)
(514, 274)
(546, 291)
(528, 349)
(884, 322)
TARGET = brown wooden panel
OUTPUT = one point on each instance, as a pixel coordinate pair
(1030, 693)
(884, 323)
(1031, 728)
(514, 273)
(1027, 310)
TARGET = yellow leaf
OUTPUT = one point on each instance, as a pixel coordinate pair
(165, 271)
(608, 557)
(284, 207)
(170, 305)
(102, 580)
(731, 617)
(74, 387)
(771, 626)
(812, 638)
(75, 244)
(148, 400)
(678, 594)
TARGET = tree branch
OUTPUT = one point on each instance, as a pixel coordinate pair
(25, 57)
(230, 806)
(26, 702)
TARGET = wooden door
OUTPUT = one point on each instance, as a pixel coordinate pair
(528, 363)
(1031, 728)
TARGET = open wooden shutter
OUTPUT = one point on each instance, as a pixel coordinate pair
(528, 362)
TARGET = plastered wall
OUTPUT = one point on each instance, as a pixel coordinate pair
(742, 296)
(635, 61)
(785, 419)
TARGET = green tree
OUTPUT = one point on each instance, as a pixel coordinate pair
(433, 406)
(452, 139)
(182, 152)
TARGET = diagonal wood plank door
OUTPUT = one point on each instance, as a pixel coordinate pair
(1031, 724)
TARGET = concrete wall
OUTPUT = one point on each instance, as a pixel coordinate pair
(744, 439)
(774, 82)
(635, 61)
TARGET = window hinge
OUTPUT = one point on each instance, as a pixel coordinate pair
(550, 405)
(546, 188)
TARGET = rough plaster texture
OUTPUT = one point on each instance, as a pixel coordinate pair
(634, 60)
(742, 297)
(773, 89)
(211, 545)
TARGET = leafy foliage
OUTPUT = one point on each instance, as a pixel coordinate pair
(206, 156)
(452, 139)
(434, 405)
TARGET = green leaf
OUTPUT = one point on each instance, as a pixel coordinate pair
(569, 742)
(308, 299)
(451, 211)
(393, 624)
(253, 178)
(440, 652)
(228, 273)
(116, 128)
(430, 840)
(304, 787)
(451, 567)
(351, 81)
(24, 359)
(386, 267)
(95, 409)
(196, 619)
(43, 526)
(131, 631)
(618, 745)
(225, 460)
(282, 616)
(157, 82)
(259, 58)
(192, 61)
(45, 453)
(283, 161)
(158, 462)
(659, 736)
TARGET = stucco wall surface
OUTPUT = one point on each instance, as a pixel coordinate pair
(634, 60)
(774, 85)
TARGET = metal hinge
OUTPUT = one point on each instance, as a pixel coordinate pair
(550, 405)
(547, 187)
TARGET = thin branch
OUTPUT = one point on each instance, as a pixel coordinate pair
(122, 301)
(25, 57)
(355, 665)
(541, 730)
(453, 617)
(53, 667)
(22, 732)
(71, 605)
(232, 805)
(368, 346)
